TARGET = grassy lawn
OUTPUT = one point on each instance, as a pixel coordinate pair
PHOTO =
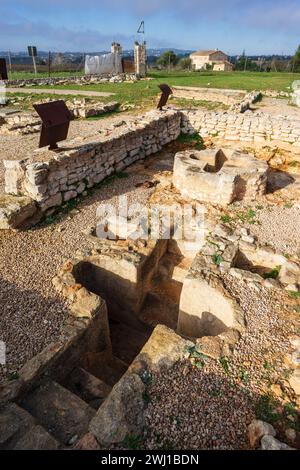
(24, 101)
(144, 94)
(26, 75)
(236, 80)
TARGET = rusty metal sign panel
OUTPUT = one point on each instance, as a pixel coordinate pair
(55, 118)
(3, 69)
(32, 51)
(166, 92)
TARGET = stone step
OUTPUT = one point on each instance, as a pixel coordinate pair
(112, 370)
(14, 423)
(89, 388)
(63, 414)
(37, 438)
(127, 341)
(19, 431)
(181, 270)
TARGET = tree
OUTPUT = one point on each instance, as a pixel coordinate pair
(296, 61)
(167, 59)
(245, 63)
(185, 63)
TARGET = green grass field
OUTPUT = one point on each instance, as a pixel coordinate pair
(26, 75)
(144, 93)
(237, 80)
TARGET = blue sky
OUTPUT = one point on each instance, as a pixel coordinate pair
(258, 26)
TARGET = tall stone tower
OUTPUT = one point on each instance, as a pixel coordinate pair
(116, 50)
(140, 58)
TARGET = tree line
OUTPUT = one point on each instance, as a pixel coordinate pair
(169, 60)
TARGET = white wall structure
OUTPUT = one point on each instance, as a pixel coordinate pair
(106, 63)
(296, 93)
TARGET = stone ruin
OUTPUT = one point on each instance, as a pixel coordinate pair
(138, 306)
(140, 59)
(238, 101)
(64, 175)
(296, 93)
(23, 123)
(219, 176)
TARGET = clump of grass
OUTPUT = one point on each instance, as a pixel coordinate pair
(13, 375)
(295, 295)
(266, 409)
(146, 397)
(192, 139)
(294, 163)
(198, 358)
(217, 259)
(225, 364)
(244, 375)
(209, 105)
(290, 409)
(273, 274)
(248, 216)
(226, 219)
(132, 442)
(147, 377)
(267, 365)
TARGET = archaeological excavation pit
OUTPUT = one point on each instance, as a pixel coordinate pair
(149, 283)
(141, 284)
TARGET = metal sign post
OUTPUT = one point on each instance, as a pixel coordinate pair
(3, 69)
(9, 62)
(55, 118)
(32, 52)
(166, 92)
(49, 63)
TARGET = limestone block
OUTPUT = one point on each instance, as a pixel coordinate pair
(122, 412)
(86, 304)
(289, 273)
(53, 201)
(270, 443)
(257, 429)
(206, 308)
(37, 438)
(14, 176)
(35, 191)
(36, 173)
(14, 210)
(69, 195)
(14, 421)
(163, 349)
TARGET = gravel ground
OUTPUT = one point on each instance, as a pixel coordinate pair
(277, 107)
(208, 408)
(278, 226)
(32, 313)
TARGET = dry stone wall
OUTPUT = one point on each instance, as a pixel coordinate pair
(80, 80)
(242, 127)
(24, 123)
(61, 176)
